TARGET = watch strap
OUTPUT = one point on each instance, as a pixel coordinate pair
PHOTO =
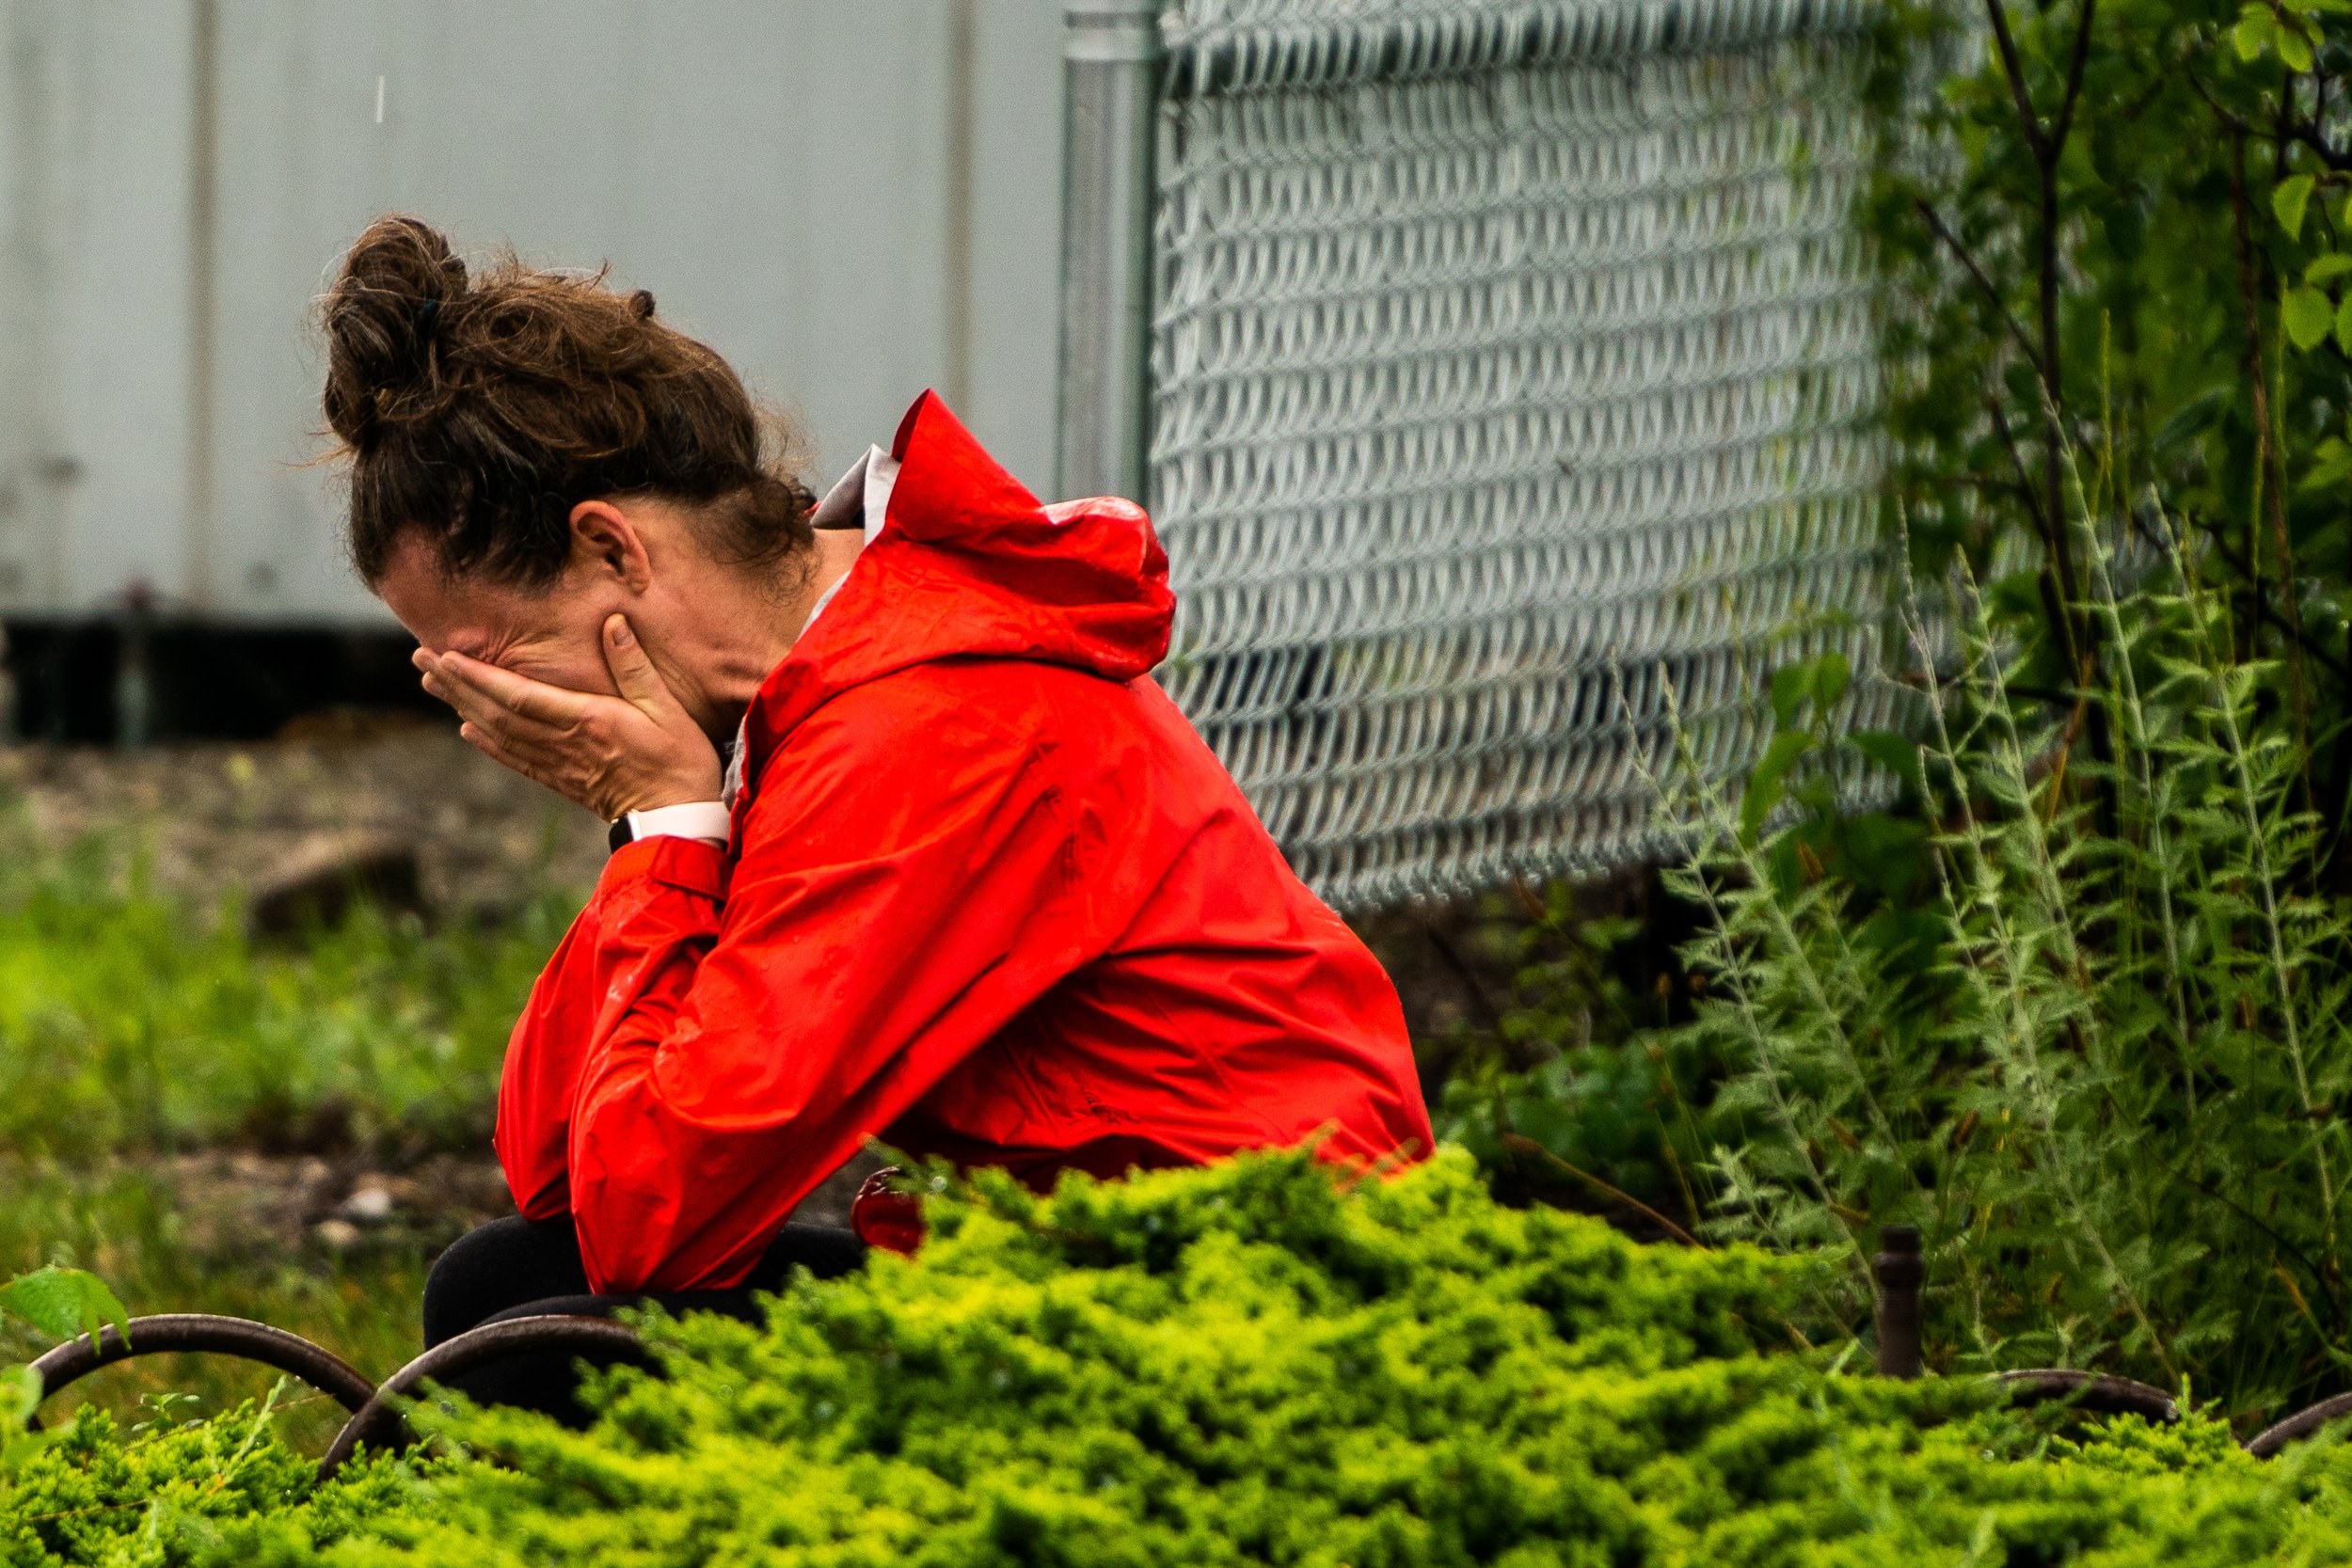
(708, 821)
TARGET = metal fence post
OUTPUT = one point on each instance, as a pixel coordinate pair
(1109, 121)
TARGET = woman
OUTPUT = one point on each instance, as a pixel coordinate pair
(908, 844)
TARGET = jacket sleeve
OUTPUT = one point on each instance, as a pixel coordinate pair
(662, 906)
(904, 888)
(542, 1064)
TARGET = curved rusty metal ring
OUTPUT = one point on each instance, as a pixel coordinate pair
(2268, 1441)
(380, 1417)
(204, 1333)
(2095, 1392)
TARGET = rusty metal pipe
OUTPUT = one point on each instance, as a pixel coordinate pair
(379, 1419)
(2302, 1424)
(1900, 1273)
(2095, 1392)
(205, 1334)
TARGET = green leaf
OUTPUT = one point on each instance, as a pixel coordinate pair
(1888, 853)
(1831, 673)
(1791, 684)
(20, 1396)
(2308, 315)
(2334, 264)
(2331, 460)
(2255, 28)
(1769, 780)
(1898, 753)
(64, 1303)
(2290, 201)
(2294, 49)
(2343, 324)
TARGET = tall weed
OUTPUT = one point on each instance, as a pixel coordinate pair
(2104, 1065)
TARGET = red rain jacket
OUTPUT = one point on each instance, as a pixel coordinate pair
(988, 896)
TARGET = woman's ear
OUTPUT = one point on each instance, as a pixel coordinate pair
(605, 539)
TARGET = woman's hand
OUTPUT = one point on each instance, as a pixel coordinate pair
(612, 754)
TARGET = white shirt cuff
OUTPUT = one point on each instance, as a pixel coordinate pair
(702, 820)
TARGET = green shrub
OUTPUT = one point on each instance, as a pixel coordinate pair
(1244, 1365)
(210, 1491)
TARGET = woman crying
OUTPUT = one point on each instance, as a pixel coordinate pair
(907, 844)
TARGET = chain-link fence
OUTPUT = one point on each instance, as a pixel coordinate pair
(1510, 364)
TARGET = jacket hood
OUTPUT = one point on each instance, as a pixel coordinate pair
(968, 563)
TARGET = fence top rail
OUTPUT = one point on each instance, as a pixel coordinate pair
(1223, 46)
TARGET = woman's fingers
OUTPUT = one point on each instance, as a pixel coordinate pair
(634, 673)
(517, 695)
(477, 707)
(609, 754)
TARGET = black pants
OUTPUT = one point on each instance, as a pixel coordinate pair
(518, 1268)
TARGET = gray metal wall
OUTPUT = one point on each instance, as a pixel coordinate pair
(852, 199)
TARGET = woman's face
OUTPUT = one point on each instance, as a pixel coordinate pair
(552, 633)
(711, 632)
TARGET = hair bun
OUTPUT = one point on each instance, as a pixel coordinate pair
(476, 409)
(380, 319)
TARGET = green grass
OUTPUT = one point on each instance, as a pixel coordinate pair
(129, 1021)
(133, 1024)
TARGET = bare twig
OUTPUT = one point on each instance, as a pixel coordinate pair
(2028, 119)
(2307, 132)
(2334, 664)
(2048, 143)
(1960, 253)
(1528, 1146)
(2074, 64)
(1472, 985)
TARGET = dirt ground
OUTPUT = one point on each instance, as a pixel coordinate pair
(240, 1204)
(214, 814)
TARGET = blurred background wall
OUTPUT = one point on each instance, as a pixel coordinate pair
(851, 199)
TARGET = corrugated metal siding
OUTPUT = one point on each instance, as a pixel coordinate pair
(177, 177)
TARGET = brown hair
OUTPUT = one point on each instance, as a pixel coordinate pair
(477, 412)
